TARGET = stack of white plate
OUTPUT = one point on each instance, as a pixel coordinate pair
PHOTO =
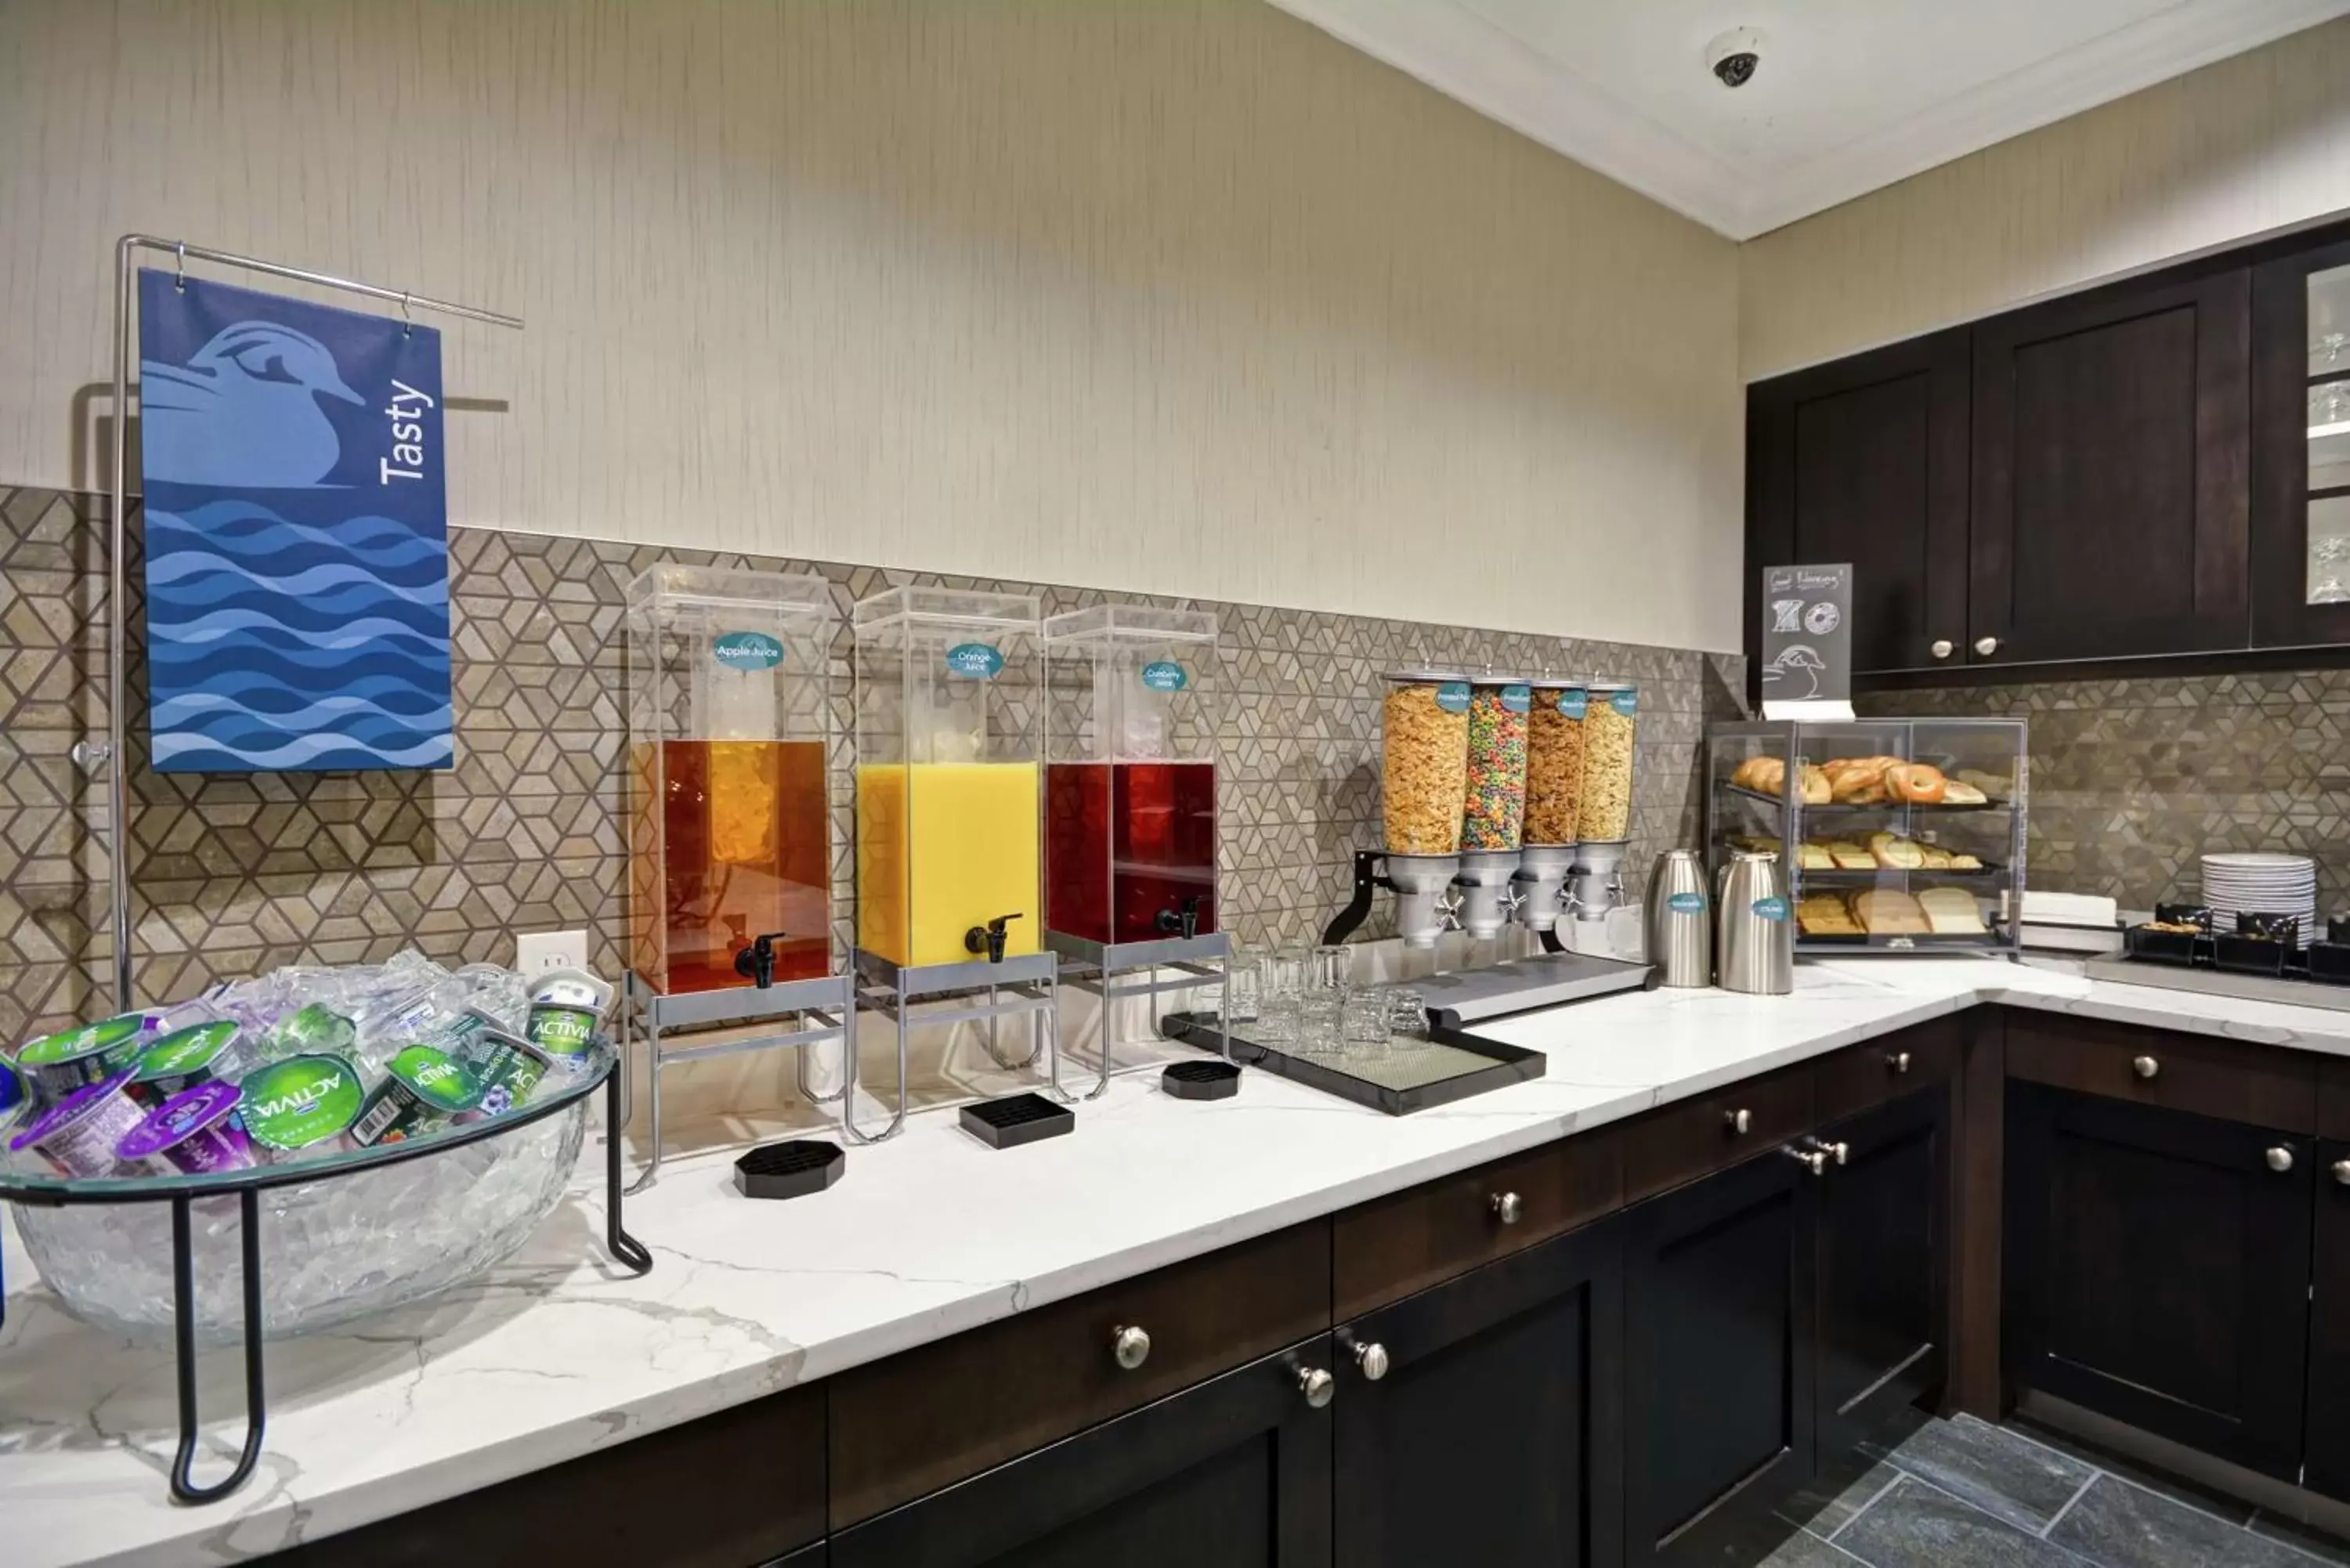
(2255, 883)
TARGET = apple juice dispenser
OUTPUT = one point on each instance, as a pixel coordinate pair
(731, 860)
(947, 807)
(1130, 774)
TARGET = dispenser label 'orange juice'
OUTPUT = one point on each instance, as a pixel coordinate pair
(956, 849)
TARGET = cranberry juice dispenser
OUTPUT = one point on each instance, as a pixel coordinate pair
(730, 851)
(946, 776)
(1130, 780)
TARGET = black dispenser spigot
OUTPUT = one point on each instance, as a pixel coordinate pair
(1186, 924)
(988, 938)
(756, 963)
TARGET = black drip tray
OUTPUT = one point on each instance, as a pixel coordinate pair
(790, 1170)
(1017, 1120)
(1200, 1081)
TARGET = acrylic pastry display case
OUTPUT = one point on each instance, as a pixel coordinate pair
(1898, 834)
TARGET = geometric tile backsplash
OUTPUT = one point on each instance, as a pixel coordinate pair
(2132, 778)
(233, 874)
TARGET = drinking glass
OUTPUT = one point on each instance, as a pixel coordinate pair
(1279, 978)
(1245, 973)
(1363, 1023)
(1406, 1015)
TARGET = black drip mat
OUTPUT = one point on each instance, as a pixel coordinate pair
(1017, 1120)
(1200, 1081)
(793, 1168)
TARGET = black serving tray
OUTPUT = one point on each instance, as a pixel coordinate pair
(1496, 1066)
(2185, 949)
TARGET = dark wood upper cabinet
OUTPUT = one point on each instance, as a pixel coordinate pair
(1719, 1327)
(2111, 494)
(1492, 1433)
(2158, 1270)
(1865, 460)
(1884, 1245)
(2301, 448)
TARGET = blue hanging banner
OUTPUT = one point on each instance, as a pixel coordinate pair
(296, 533)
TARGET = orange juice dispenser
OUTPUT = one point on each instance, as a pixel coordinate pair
(947, 813)
(730, 851)
(1130, 900)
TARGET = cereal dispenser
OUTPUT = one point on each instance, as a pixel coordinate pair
(948, 688)
(1604, 812)
(1130, 831)
(730, 851)
(1555, 723)
(1493, 801)
(1423, 782)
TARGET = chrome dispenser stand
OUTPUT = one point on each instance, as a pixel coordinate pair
(831, 1000)
(1032, 981)
(1204, 960)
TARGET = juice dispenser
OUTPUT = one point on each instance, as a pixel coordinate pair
(729, 847)
(947, 801)
(731, 858)
(1130, 778)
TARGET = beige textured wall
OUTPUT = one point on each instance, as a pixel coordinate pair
(1181, 297)
(2255, 143)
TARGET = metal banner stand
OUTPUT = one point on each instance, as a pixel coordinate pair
(1028, 984)
(248, 1185)
(109, 755)
(1202, 962)
(829, 1000)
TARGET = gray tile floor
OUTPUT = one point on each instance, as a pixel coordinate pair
(1962, 1491)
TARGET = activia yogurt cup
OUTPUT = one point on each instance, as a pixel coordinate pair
(303, 1103)
(196, 1133)
(79, 1133)
(181, 1060)
(508, 1069)
(55, 1065)
(421, 1089)
(565, 1007)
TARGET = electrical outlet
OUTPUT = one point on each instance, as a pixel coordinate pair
(536, 952)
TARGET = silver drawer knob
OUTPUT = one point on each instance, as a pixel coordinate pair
(1319, 1386)
(1986, 646)
(1899, 1061)
(2342, 1171)
(1813, 1161)
(1507, 1207)
(1131, 1346)
(2145, 1066)
(1944, 647)
(1739, 1121)
(1371, 1360)
(2281, 1157)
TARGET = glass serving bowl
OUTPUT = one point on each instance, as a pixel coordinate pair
(352, 1233)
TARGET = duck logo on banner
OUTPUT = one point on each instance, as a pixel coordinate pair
(297, 531)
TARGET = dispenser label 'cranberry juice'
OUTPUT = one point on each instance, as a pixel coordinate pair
(1125, 843)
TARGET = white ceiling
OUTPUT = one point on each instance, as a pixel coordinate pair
(1851, 95)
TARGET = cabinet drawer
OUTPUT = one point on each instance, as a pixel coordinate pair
(1868, 1075)
(1387, 1250)
(904, 1428)
(1683, 1142)
(2266, 1086)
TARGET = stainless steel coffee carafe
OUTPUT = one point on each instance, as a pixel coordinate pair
(1755, 931)
(1681, 920)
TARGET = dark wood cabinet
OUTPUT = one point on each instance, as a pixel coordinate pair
(2111, 473)
(1884, 1279)
(1234, 1473)
(1480, 1421)
(2158, 1270)
(2301, 444)
(1865, 460)
(816, 1556)
(1718, 1333)
(2328, 1426)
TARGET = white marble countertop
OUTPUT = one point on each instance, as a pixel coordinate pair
(557, 1353)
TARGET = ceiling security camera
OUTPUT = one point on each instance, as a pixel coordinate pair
(1733, 56)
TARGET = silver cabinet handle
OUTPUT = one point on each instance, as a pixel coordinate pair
(1813, 1161)
(1319, 1386)
(2342, 1171)
(1507, 1207)
(1839, 1152)
(1986, 646)
(2145, 1066)
(1944, 647)
(1372, 1361)
(2280, 1158)
(1740, 1122)
(1899, 1061)
(1130, 1345)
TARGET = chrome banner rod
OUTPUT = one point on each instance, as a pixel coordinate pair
(118, 644)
